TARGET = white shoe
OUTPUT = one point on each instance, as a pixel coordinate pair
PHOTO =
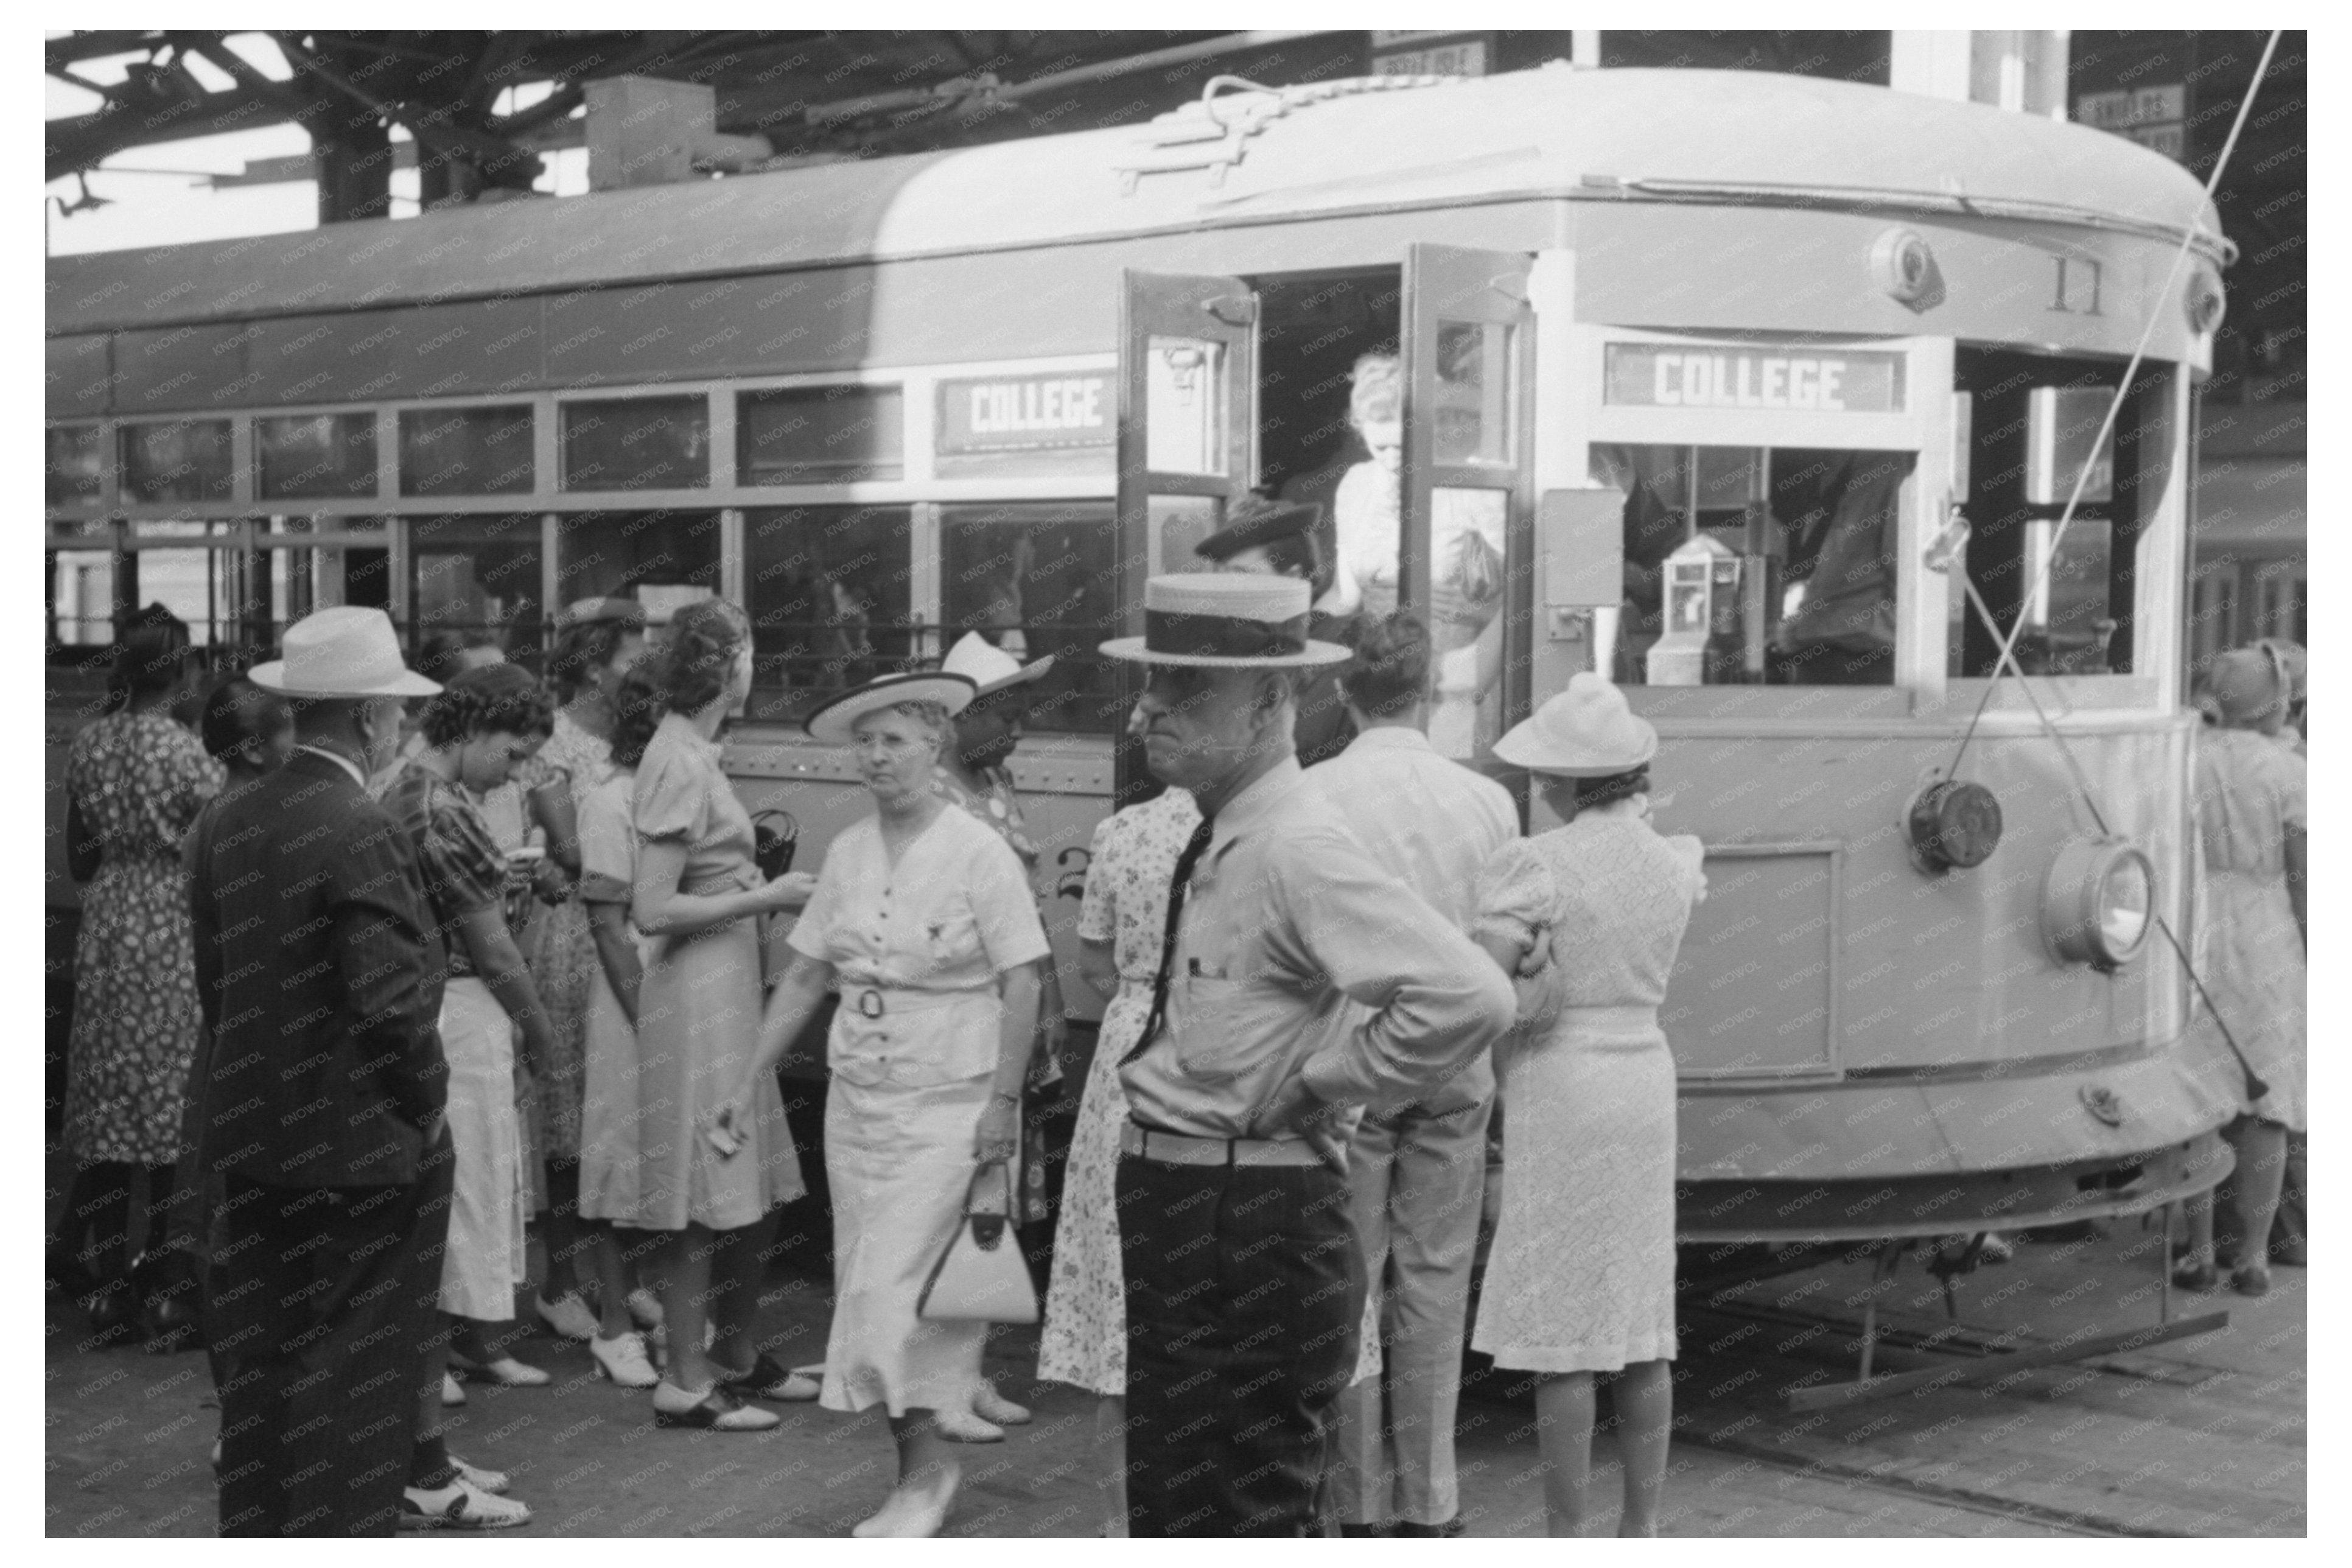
(493, 1482)
(991, 1405)
(645, 1308)
(453, 1393)
(506, 1371)
(623, 1359)
(568, 1315)
(460, 1505)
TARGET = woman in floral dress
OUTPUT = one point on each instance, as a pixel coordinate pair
(135, 781)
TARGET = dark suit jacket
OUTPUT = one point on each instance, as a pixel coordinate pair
(320, 982)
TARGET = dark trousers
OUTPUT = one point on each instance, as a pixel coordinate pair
(322, 1300)
(1244, 1293)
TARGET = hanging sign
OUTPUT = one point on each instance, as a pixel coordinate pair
(1022, 413)
(1798, 379)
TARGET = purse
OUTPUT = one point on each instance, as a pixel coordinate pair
(982, 1277)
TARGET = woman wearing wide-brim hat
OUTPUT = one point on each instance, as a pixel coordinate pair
(1581, 1277)
(923, 921)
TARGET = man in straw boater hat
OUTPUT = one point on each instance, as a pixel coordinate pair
(1298, 982)
(320, 977)
(1279, 538)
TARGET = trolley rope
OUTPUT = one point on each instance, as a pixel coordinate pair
(2115, 407)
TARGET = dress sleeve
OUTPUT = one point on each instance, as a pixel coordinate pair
(607, 868)
(1097, 910)
(1003, 908)
(2293, 776)
(812, 934)
(462, 868)
(673, 798)
(1516, 894)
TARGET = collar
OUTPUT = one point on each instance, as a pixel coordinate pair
(339, 760)
(689, 735)
(1251, 806)
(1392, 737)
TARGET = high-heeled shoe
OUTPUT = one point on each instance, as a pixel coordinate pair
(112, 1306)
(2254, 1279)
(992, 1406)
(2199, 1276)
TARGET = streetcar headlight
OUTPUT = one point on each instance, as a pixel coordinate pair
(2098, 903)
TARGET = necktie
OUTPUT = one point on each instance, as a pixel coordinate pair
(1194, 847)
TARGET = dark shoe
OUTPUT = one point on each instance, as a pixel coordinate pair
(2199, 1277)
(166, 1288)
(112, 1307)
(2254, 1280)
(1449, 1530)
(719, 1411)
(769, 1380)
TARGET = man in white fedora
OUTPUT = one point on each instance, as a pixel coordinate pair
(323, 1104)
(1297, 982)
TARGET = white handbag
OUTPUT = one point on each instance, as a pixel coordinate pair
(981, 1276)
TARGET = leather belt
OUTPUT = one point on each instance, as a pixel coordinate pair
(882, 1000)
(1177, 1149)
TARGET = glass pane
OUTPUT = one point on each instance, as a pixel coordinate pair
(316, 454)
(197, 584)
(820, 434)
(830, 592)
(187, 459)
(81, 597)
(1177, 523)
(2067, 626)
(477, 575)
(1472, 421)
(663, 558)
(637, 444)
(1827, 585)
(466, 452)
(1465, 619)
(77, 468)
(1038, 580)
(1183, 399)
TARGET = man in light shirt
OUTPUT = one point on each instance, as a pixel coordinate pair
(1418, 1171)
(1298, 982)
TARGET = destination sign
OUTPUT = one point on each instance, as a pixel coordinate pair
(1661, 376)
(1005, 413)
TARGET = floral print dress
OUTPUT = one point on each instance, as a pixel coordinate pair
(561, 953)
(140, 780)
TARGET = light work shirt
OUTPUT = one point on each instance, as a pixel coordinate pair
(1432, 824)
(1297, 950)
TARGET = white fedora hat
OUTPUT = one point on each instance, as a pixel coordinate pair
(1226, 619)
(832, 722)
(341, 651)
(1586, 732)
(988, 667)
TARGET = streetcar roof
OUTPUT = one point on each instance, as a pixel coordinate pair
(1304, 152)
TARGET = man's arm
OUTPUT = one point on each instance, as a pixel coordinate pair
(380, 949)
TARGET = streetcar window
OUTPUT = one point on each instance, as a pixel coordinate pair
(662, 558)
(830, 595)
(1038, 580)
(77, 465)
(476, 573)
(637, 444)
(191, 569)
(1753, 565)
(316, 454)
(180, 461)
(820, 434)
(466, 451)
(81, 597)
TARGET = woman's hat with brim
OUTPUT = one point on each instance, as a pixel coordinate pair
(1226, 620)
(346, 651)
(835, 722)
(2246, 685)
(989, 668)
(611, 607)
(1259, 520)
(1584, 732)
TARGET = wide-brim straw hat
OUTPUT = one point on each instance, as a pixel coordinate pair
(1226, 620)
(990, 669)
(834, 722)
(2247, 685)
(344, 651)
(1587, 732)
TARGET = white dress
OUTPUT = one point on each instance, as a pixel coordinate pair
(2250, 790)
(925, 941)
(611, 1163)
(1581, 1275)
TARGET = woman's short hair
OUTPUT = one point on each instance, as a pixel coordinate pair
(932, 716)
(1611, 788)
(239, 716)
(704, 640)
(637, 708)
(581, 651)
(494, 699)
(1390, 671)
(151, 657)
(1377, 394)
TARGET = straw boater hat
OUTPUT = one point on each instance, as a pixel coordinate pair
(990, 667)
(1226, 620)
(1584, 732)
(2245, 685)
(832, 722)
(345, 651)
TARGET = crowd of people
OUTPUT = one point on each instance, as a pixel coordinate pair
(415, 995)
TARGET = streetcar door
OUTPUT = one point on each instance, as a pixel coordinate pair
(1187, 441)
(1467, 497)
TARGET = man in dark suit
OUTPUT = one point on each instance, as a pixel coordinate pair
(324, 1102)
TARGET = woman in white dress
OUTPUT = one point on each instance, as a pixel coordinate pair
(923, 920)
(1581, 1276)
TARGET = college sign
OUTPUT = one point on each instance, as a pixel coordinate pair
(1022, 413)
(1802, 379)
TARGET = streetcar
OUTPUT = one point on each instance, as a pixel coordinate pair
(1711, 363)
